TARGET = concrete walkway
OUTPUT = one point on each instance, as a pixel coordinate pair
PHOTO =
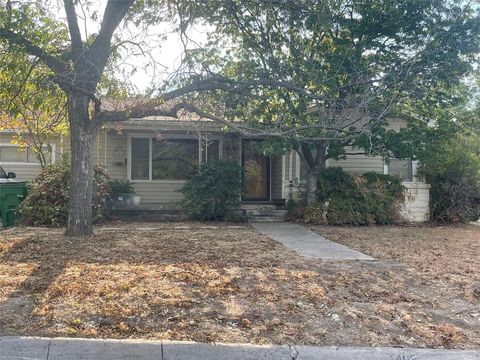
(307, 243)
(69, 349)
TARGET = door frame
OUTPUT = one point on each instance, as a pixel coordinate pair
(268, 172)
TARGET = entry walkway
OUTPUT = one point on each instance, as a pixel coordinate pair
(308, 243)
(87, 349)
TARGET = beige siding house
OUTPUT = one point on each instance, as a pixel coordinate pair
(158, 155)
(22, 160)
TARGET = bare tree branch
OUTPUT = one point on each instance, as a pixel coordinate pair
(99, 51)
(73, 28)
(15, 39)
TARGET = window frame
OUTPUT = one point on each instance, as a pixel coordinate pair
(53, 146)
(151, 137)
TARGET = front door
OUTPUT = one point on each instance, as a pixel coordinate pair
(257, 173)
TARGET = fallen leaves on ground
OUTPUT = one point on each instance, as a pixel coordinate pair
(217, 283)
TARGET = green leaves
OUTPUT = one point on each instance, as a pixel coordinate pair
(349, 65)
(47, 201)
(216, 189)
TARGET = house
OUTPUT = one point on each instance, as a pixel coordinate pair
(158, 154)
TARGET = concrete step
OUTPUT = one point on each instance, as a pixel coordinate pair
(266, 219)
(266, 212)
(248, 207)
(266, 215)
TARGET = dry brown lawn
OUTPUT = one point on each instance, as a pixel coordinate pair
(216, 283)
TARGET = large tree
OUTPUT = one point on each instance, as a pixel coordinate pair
(322, 76)
(315, 74)
(76, 62)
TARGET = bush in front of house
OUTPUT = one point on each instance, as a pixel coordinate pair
(213, 191)
(119, 187)
(455, 196)
(452, 168)
(46, 203)
(346, 199)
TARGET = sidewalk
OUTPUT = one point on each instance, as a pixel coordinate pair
(31, 348)
(307, 243)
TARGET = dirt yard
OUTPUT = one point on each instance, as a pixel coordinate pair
(210, 282)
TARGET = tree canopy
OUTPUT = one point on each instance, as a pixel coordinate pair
(322, 75)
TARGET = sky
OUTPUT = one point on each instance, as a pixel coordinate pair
(162, 45)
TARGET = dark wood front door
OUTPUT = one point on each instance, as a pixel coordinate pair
(256, 172)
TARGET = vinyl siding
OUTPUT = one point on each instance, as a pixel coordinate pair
(113, 154)
(28, 171)
(23, 172)
(160, 192)
(287, 167)
(359, 164)
(276, 177)
(355, 164)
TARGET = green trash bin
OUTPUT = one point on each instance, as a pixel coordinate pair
(11, 195)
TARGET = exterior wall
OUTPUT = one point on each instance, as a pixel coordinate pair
(111, 151)
(416, 207)
(28, 171)
(159, 192)
(359, 164)
(417, 200)
(354, 164)
(276, 176)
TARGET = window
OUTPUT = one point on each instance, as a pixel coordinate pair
(140, 168)
(210, 150)
(401, 168)
(174, 159)
(170, 159)
(10, 153)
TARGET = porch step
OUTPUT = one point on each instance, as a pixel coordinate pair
(264, 212)
(266, 219)
(251, 207)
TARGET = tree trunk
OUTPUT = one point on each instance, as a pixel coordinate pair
(82, 138)
(311, 188)
(314, 164)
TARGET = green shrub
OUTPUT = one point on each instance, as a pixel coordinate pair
(359, 200)
(334, 182)
(452, 168)
(454, 195)
(215, 189)
(47, 201)
(118, 187)
(314, 214)
(295, 209)
(347, 211)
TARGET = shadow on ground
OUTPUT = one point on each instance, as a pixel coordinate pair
(214, 284)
